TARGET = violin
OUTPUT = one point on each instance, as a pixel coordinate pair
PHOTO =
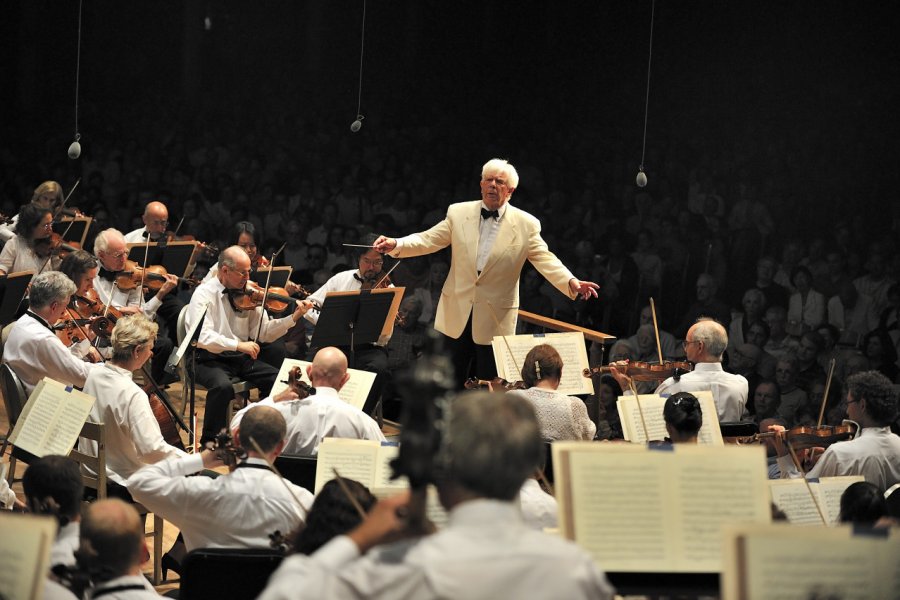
(252, 296)
(643, 371)
(100, 317)
(153, 276)
(54, 245)
(806, 436)
(226, 450)
(210, 250)
(497, 384)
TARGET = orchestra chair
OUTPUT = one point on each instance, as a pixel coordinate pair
(14, 398)
(227, 572)
(93, 474)
(892, 501)
(241, 388)
(299, 470)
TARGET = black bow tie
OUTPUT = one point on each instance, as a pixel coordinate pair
(485, 213)
(108, 275)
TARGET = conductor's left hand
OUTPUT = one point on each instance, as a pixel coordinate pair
(584, 289)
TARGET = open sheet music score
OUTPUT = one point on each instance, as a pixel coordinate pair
(25, 554)
(636, 509)
(52, 419)
(354, 392)
(770, 562)
(793, 498)
(571, 349)
(652, 406)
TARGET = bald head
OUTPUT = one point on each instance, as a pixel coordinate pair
(328, 369)
(156, 218)
(112, 535)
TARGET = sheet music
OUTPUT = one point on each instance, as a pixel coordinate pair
(353, 459)
(25, 562)
(52, 419)
(571, 349)
(653, 405)
(354, 392)
(793, 498)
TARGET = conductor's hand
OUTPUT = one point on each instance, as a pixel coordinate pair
(303, 307)
(249, 348)
(384, 244)
(584, 289)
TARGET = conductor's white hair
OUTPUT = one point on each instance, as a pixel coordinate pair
(499, 165)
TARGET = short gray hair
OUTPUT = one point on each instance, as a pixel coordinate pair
(101, 242)
(713, 336)
(129, 333)
(502, 166)
(493, 444)
(50, 287)
(226, 256)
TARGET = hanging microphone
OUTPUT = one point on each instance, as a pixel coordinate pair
(75, 148)
(641, 179)
(357, 124)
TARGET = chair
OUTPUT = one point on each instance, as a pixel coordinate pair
(240, 387)
(93, 474)
(227, 572)
(299, 470)
(14, 397)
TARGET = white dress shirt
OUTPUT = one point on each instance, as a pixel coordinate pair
(729, 391)
(223, 328)
(17, 256)
(8, 229)
(109, 293)
(127, 587)
(137, 236)
(485, 552)
(487, 233)
(33, 352)
(539, 509)
(238, 510)
(874, 454)
(133, 438)
(561, 417)
(316, 417)
(62, 552)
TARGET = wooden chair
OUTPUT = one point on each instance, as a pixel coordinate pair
(299, 470)
(227, 572)
(14, 398)
(93, 474)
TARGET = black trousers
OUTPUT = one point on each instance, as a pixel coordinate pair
(470, 359)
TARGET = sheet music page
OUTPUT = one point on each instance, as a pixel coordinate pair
(386, 453)
(781, 561)
(52, 419)
(353, 459)
(653, 405)
(636, 509)
(571, 349)
(24, 562)
(354, 392)
(792, 497)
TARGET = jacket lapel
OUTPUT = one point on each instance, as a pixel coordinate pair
(505, 238)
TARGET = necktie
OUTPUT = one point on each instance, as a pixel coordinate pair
(485, 213)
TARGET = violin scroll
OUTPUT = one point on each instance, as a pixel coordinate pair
(226, 450)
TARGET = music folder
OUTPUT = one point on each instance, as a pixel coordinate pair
(358, 317)
(12, 292)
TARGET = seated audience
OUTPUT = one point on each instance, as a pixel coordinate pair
(878, 347)
(793, 399)
(806, 309)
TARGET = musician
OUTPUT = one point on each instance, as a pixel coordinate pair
(490, 239)
(53, 486)
(369, 357)
(156, 220)
(323, 414)
(29, 250)
(113, 548)
(492, 445)
(228, 343)
(32, 350)
(82, 267)
(133, 436)
(875, 452)
(238, 510)
(110, 248)
(48, 195)
(704, 346)
(561, 417)
(332, 514)
(683, 418)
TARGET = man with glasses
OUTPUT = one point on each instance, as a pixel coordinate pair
(229, 345)
(704, 346)
(156, 220)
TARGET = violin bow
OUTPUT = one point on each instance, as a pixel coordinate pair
(346, 491)
(505, 342)
(656, 330)
(637, 399)
(277, 472)
(266, 291)
(825, 395)
(386, 275)
(66, 199)
(808, 487)
(144, 270)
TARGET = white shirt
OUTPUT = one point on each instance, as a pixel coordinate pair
(8, 230)
(238, 510)
(316, 417)
(223, 328)
(7, 496)
(487, 233)
(34, 352)
(561, 417)
(729, 391)
(137, 236)
(539, 509)
(17, 256)
(133, 438)
(855, 322)
(62, 552)
(143, 589)
(874, 454)
(110, 294)
(810, 313)
(485, 552)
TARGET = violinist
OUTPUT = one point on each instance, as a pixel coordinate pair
(486, 550)
(704, 346)
(30, 249)
(875, 452)
(369, 357)
(230, 339)
(244, 236)
(683, 418)
(32, 350)
(109, 246)
(81, 267)
(561, 417)
(133, 436)
(48, 195)
(156, 220)
(320, 415)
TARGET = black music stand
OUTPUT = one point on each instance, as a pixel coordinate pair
(188, 341)
(175, 257)
(12, 292)
(354, 318)
(73, 229)
(280, 276)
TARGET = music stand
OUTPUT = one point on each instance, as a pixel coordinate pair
(12, 292)
(280, 276)
(189, 340)
(73, 229)
(358, 317)
(175, 257)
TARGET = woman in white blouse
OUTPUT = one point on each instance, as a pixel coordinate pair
(29, 250)
(561, 417)
(806, 310)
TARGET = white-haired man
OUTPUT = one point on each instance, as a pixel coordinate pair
(490, 241)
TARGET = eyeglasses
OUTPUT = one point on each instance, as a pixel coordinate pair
(375, 263)
(115, 255)
(159, 223)
(686, 343)
(245, 273)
